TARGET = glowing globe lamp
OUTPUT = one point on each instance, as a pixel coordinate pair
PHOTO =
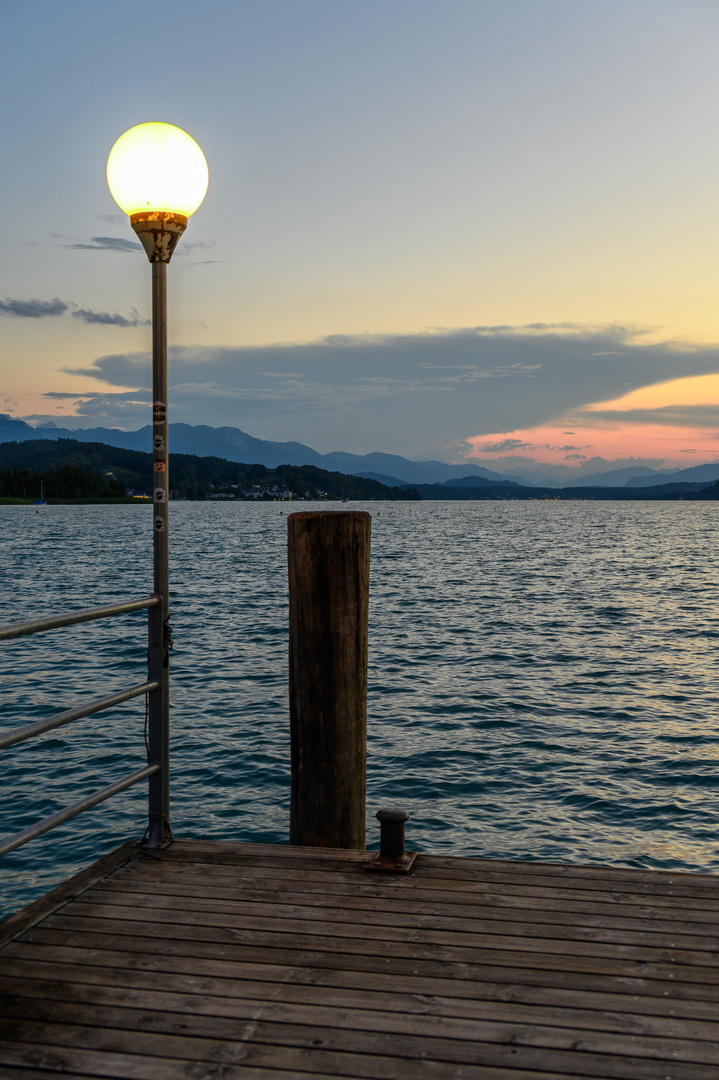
(157, 167)
(158, 175)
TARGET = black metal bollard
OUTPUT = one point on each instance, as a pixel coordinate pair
(392, 856)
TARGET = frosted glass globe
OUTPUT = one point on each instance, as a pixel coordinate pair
(157, 167)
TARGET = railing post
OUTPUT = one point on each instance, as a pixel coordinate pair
(159, 832)
(328, 560)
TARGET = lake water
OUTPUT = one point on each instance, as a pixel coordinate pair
(542, 679)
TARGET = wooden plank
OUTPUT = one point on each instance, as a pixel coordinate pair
(419, 976)
(236, 939)
(357, 1053)
(422, 876)
(179, 956)
(90, 1063)
(85, 1063)
(388, 913)
(376, 938)
(237, 850)
(454, 875)
(450, 867)
(338, 987)
(21, 921)
(361, 1009)
(672, 887)
(253, 943)
(369, 900)
(560, 889)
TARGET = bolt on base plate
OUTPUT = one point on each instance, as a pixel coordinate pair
(403, 865)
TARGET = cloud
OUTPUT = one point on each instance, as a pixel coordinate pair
(125, 245)
(129, 409)
(282, 374)
(32, 309)
(691, 416)
(106, 319)
(105, 243)
(504, 445)
(471, 372)
(192, 245)
(416, 394)
(41, 309)
(59, 395)
(201, 262)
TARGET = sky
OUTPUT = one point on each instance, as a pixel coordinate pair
(482, 230)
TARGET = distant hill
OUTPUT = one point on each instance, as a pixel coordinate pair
(481, 482)
(406, 471)
(620, 477)
(191, 476)
(392, 470)
(599, 493)
(233, 444)
(199, 477)
(708, 492)
(389, 481)
(702, 474)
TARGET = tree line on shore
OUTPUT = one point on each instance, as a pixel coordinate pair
(70, 469)
(63, 482)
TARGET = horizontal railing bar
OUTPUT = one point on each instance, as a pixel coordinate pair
(19, 735)
(36, 626)
(72, 811)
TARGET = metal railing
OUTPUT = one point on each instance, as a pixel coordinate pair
(156, 687)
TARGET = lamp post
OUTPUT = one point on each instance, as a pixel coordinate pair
(158, 175)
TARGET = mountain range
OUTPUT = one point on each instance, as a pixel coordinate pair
(233, 444)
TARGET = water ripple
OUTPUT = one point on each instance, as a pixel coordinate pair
(541, 680)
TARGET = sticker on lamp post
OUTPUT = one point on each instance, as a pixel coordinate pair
(159, 524)
(158, 443)
(159, 412)
(160, 495)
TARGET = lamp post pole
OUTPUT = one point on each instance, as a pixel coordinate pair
(160, 640)
(159, 231)
(158, 175)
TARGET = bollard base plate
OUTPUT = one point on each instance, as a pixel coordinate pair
(403, 865)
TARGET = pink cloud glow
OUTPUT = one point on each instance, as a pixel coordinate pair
(571, 444)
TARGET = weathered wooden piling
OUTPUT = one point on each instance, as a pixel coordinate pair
(328, 562)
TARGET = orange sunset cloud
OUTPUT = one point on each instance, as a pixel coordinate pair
(587, 434)
(559, 445)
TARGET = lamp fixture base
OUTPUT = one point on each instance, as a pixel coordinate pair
(158, 232)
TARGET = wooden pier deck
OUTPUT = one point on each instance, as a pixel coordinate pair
(257, 962)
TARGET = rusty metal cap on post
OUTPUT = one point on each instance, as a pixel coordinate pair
(392, 857)
(158, 231)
